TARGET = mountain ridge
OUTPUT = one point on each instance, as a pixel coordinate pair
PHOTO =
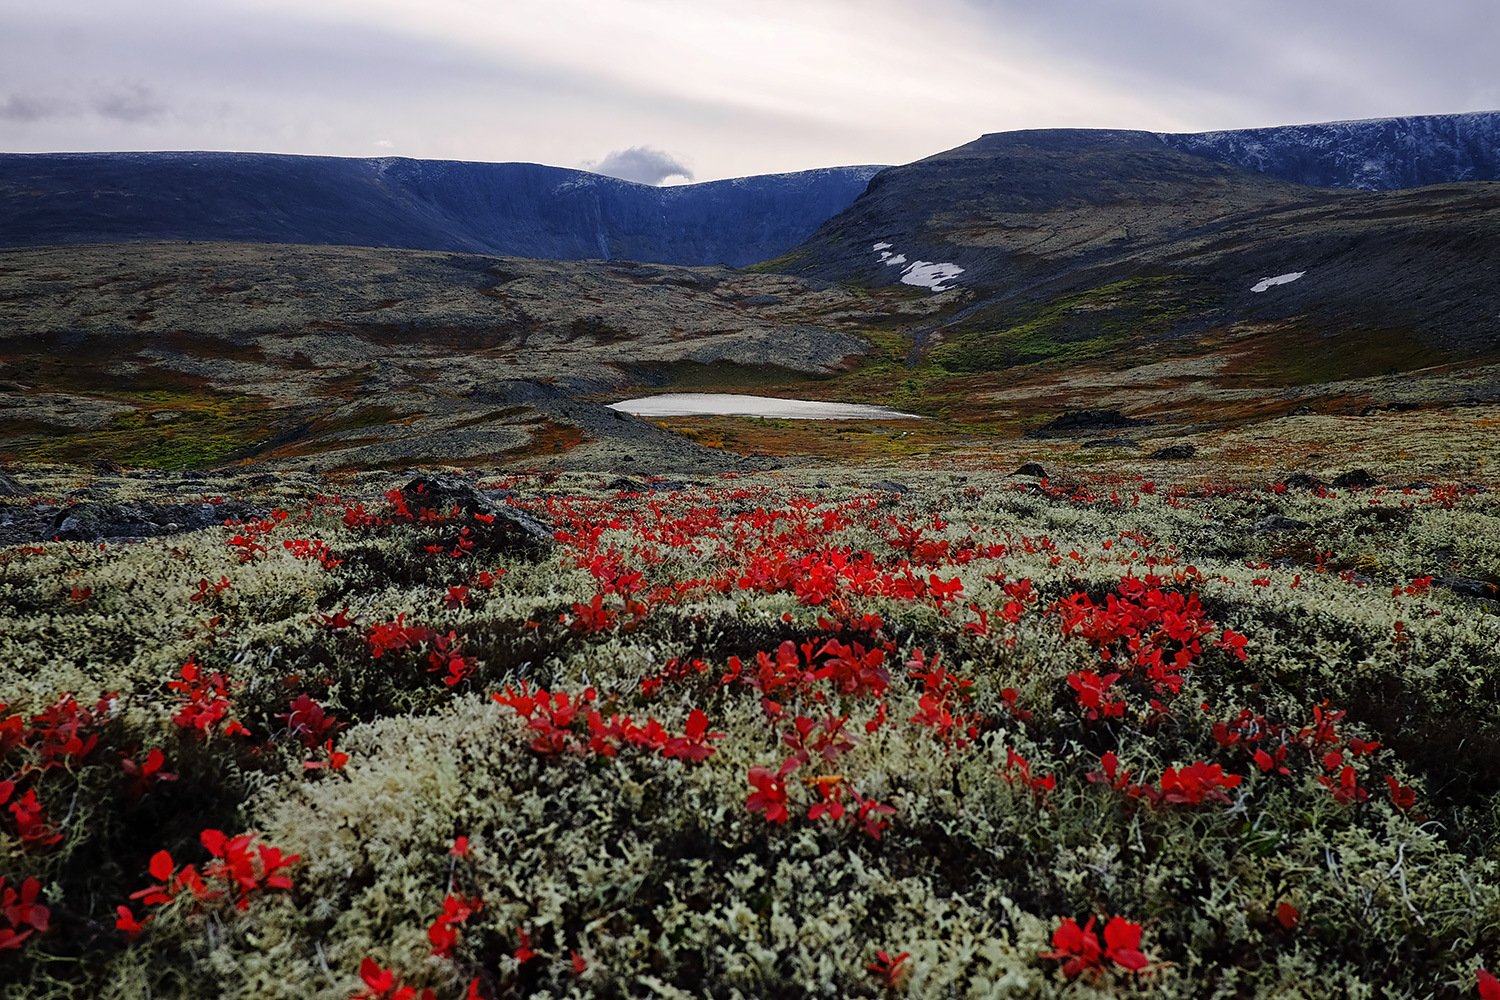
(512, 209)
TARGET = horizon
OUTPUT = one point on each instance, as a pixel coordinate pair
(656, 91)
(677, 182)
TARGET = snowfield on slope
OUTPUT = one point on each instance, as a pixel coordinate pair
(1280, 279)
(922, 273)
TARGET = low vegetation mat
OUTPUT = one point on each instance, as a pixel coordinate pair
(782, 734)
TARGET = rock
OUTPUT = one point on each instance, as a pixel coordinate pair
(1303, 481)
(1031, 469)
(1275, 522)
(626, 485)
(889, 486)
(1083, 420)
(510, 530)
(1469, 586)
(441, 493)
(10, 488)
(1110, 443)
(92, 522)
(1355, 479)
(1175, 451)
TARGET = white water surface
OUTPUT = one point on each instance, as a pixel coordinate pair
(693, 404)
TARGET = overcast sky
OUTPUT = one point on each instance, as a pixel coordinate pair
(664, 90)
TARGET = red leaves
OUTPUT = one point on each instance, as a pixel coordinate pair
(381, 983)
(307, 722)
(554, 716)
(205, 698)
(693, 744)
(239, 869)
(888, 969)
(940, 707)
(769, 795)
(1403, 797)
(392, 636)
(31, 819)
(1191, 785)
(1158, 632)
(21, 914)
(1487, 985)
(1092, 694)
(443, 933)
(1017, 771)
(314, 549)
(523, 950)
(1197, 783)
(1080, 949)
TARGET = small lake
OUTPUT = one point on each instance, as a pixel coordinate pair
(693, 404)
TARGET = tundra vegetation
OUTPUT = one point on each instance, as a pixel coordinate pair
(780, 733)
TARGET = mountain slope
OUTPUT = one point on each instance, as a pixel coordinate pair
(1379, 154)
(515, 209)
(1024, 222)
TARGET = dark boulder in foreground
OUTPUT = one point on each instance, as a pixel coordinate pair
(1031, 469)
(508, 529)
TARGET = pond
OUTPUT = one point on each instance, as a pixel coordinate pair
(692, 404)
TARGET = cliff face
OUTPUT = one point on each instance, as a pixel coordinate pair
(517, 209)
(1382, 154)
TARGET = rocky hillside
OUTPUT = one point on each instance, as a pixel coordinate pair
(1017, 225)
(1380, 154)
(514, 209)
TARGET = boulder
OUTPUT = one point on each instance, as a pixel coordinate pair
(1355, 479)
(1175, 451)
(511, 529)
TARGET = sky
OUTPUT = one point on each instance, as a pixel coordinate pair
(667, 91)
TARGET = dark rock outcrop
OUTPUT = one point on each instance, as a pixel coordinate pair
(94, 522)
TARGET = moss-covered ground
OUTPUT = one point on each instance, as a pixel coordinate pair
(797, 733)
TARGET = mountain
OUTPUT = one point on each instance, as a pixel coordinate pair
(1380, 154)
(1019, 225)
(514, 209)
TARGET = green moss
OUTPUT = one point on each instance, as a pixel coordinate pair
(1073, 328)
(172, 429)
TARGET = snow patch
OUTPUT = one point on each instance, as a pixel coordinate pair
(926, 274)
(1280, 279)
(922, 273)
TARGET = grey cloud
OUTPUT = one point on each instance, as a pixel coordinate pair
(641, 164)
(135, 103)
(30, 108)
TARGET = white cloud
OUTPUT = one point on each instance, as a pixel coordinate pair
(640, 164)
